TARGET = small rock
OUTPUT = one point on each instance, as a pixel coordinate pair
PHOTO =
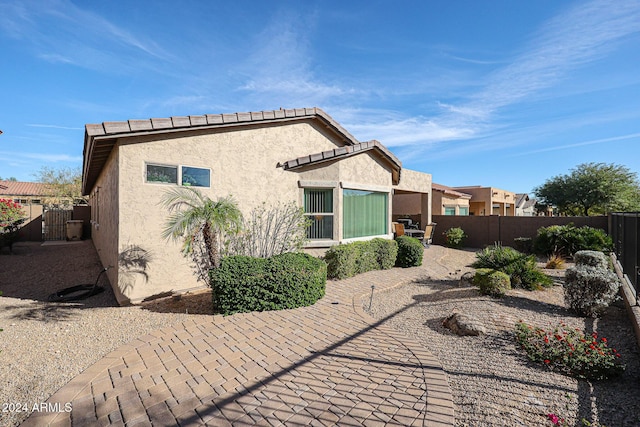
(467, 278)
(463, 324)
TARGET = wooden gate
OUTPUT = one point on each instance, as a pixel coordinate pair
(55, 222)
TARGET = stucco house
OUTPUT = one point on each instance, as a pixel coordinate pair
(346, 186)
(525, 206)
(489, 200)
(31, 196)
(447, 201)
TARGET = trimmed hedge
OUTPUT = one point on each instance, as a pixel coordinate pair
(492, 282)
(354, 258)
(410, 252)
(289, 280)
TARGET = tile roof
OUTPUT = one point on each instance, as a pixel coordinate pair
(449, 191)
(347, 151)
(100, 139)
(19, 188)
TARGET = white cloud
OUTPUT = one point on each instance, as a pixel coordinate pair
(46, 157)
(280, 69)
(61, 32)
(53, 126)
(580, 35)
(583, 143)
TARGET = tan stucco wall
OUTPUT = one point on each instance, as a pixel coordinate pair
(415, 181)
(483, 199)
(104, 229)
(418, 183)
(441, 200)
(243, 163)
(360, 172)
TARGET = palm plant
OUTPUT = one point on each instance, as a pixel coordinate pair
(195, 216)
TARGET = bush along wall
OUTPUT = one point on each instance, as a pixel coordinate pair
(566, 240)
(355, 258)
(289, 280)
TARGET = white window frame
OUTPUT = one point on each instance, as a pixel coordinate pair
(179, 174)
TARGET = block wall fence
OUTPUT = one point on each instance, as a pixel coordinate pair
(485, 231)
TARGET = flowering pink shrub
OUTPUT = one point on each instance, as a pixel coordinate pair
(570, 351)
(10, 213)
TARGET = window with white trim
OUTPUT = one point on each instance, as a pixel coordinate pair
(178, 175)
(318, 207)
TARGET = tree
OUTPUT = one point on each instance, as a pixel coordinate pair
(195, 217)
(592, 189)
(64, 185)
(12, 179)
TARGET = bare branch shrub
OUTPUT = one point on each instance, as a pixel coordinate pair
(269, 231)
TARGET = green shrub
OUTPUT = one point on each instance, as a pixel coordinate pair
(410, 252)
(567, 240)
(386, 252)
(355, 258)
(592, 258)
(523, 244)
(289, 280)
(569, 351)
(492, 282)
(520, 268)
(454, 237)
(342, 261)
(590, 290)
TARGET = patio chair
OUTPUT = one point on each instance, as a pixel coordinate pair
(398, 229)
(429, 231)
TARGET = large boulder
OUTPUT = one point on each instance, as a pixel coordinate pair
(464, 325)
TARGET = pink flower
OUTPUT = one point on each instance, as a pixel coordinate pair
(554, 419)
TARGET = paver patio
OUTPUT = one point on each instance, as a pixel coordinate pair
(328, 364)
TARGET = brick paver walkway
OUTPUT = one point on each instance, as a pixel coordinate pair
(328, 364)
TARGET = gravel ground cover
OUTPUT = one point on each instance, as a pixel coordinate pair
(44, 345)
(493, 383)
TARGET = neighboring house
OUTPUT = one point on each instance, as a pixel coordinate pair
(489, 201)
(345, 186)
(25, 193)
(525, 206)
(447, 201)
(31, 196)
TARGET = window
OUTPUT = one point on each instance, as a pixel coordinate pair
(189, 176)
(450, 211)
(166, 174)
(365, 213)
(463, 210)
(318, 207)
(196, 177)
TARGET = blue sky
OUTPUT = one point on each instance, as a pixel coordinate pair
(494, 93)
